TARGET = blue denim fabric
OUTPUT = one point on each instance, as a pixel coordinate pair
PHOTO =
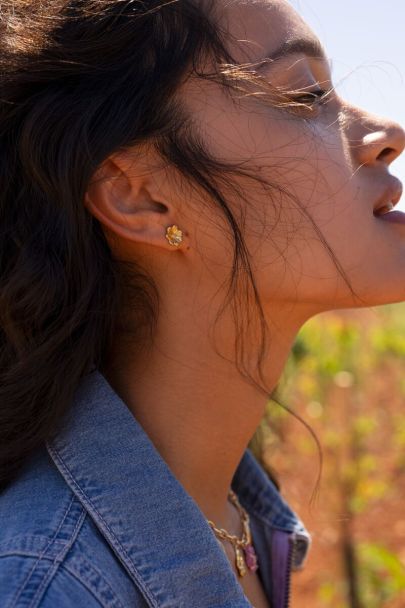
(96, 518)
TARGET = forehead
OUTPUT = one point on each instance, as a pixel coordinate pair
(262, 25)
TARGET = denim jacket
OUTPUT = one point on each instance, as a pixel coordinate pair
(97, 518)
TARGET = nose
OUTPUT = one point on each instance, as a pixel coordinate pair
(373, 140)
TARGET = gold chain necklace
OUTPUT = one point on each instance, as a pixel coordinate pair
(245, 555)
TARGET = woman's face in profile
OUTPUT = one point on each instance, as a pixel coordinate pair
(331, 157)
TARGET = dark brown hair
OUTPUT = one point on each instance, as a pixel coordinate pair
(79, 80)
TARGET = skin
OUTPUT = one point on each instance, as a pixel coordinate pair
(194, 405)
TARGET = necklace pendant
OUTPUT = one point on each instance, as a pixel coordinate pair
(240, 561)
(251, 558)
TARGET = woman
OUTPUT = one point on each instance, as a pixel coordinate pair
(181, 189)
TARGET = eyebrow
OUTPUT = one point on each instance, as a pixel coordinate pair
(304, 46)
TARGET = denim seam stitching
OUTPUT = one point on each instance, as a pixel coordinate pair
(88, 501)
(58, 559)
(68, 567)
(19, 591)
(88, 584)
(15, 541)
(42, 554)
(16, 553)
(73, 575)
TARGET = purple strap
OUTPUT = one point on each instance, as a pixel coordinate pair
(281, 553)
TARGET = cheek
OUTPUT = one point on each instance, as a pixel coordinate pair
(309, 198)
(311, 181)
(316, 202)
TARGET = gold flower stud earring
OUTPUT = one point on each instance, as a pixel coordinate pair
(174, 235)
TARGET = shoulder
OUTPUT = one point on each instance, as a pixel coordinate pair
(51, 552)
(28, 581)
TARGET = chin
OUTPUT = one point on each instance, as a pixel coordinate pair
(366, 300)
(382, 297)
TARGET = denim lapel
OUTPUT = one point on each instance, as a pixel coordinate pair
(263, 501)
(154, 527)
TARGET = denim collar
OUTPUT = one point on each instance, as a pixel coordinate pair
(152, 524)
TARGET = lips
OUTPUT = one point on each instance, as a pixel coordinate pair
(389, 199)
(396, 217)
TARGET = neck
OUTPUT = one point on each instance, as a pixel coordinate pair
(196, 408)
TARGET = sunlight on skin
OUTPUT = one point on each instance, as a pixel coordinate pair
(334, 159)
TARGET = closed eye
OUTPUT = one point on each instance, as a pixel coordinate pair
(311, 96)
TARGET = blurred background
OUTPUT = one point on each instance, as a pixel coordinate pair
(346, 373)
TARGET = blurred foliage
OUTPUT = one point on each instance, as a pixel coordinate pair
(346, 378)
(382, 575)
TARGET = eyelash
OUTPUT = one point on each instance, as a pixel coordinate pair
(312, 96)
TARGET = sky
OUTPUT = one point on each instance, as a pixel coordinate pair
(365, 40)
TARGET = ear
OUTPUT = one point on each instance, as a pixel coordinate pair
(130, 202)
